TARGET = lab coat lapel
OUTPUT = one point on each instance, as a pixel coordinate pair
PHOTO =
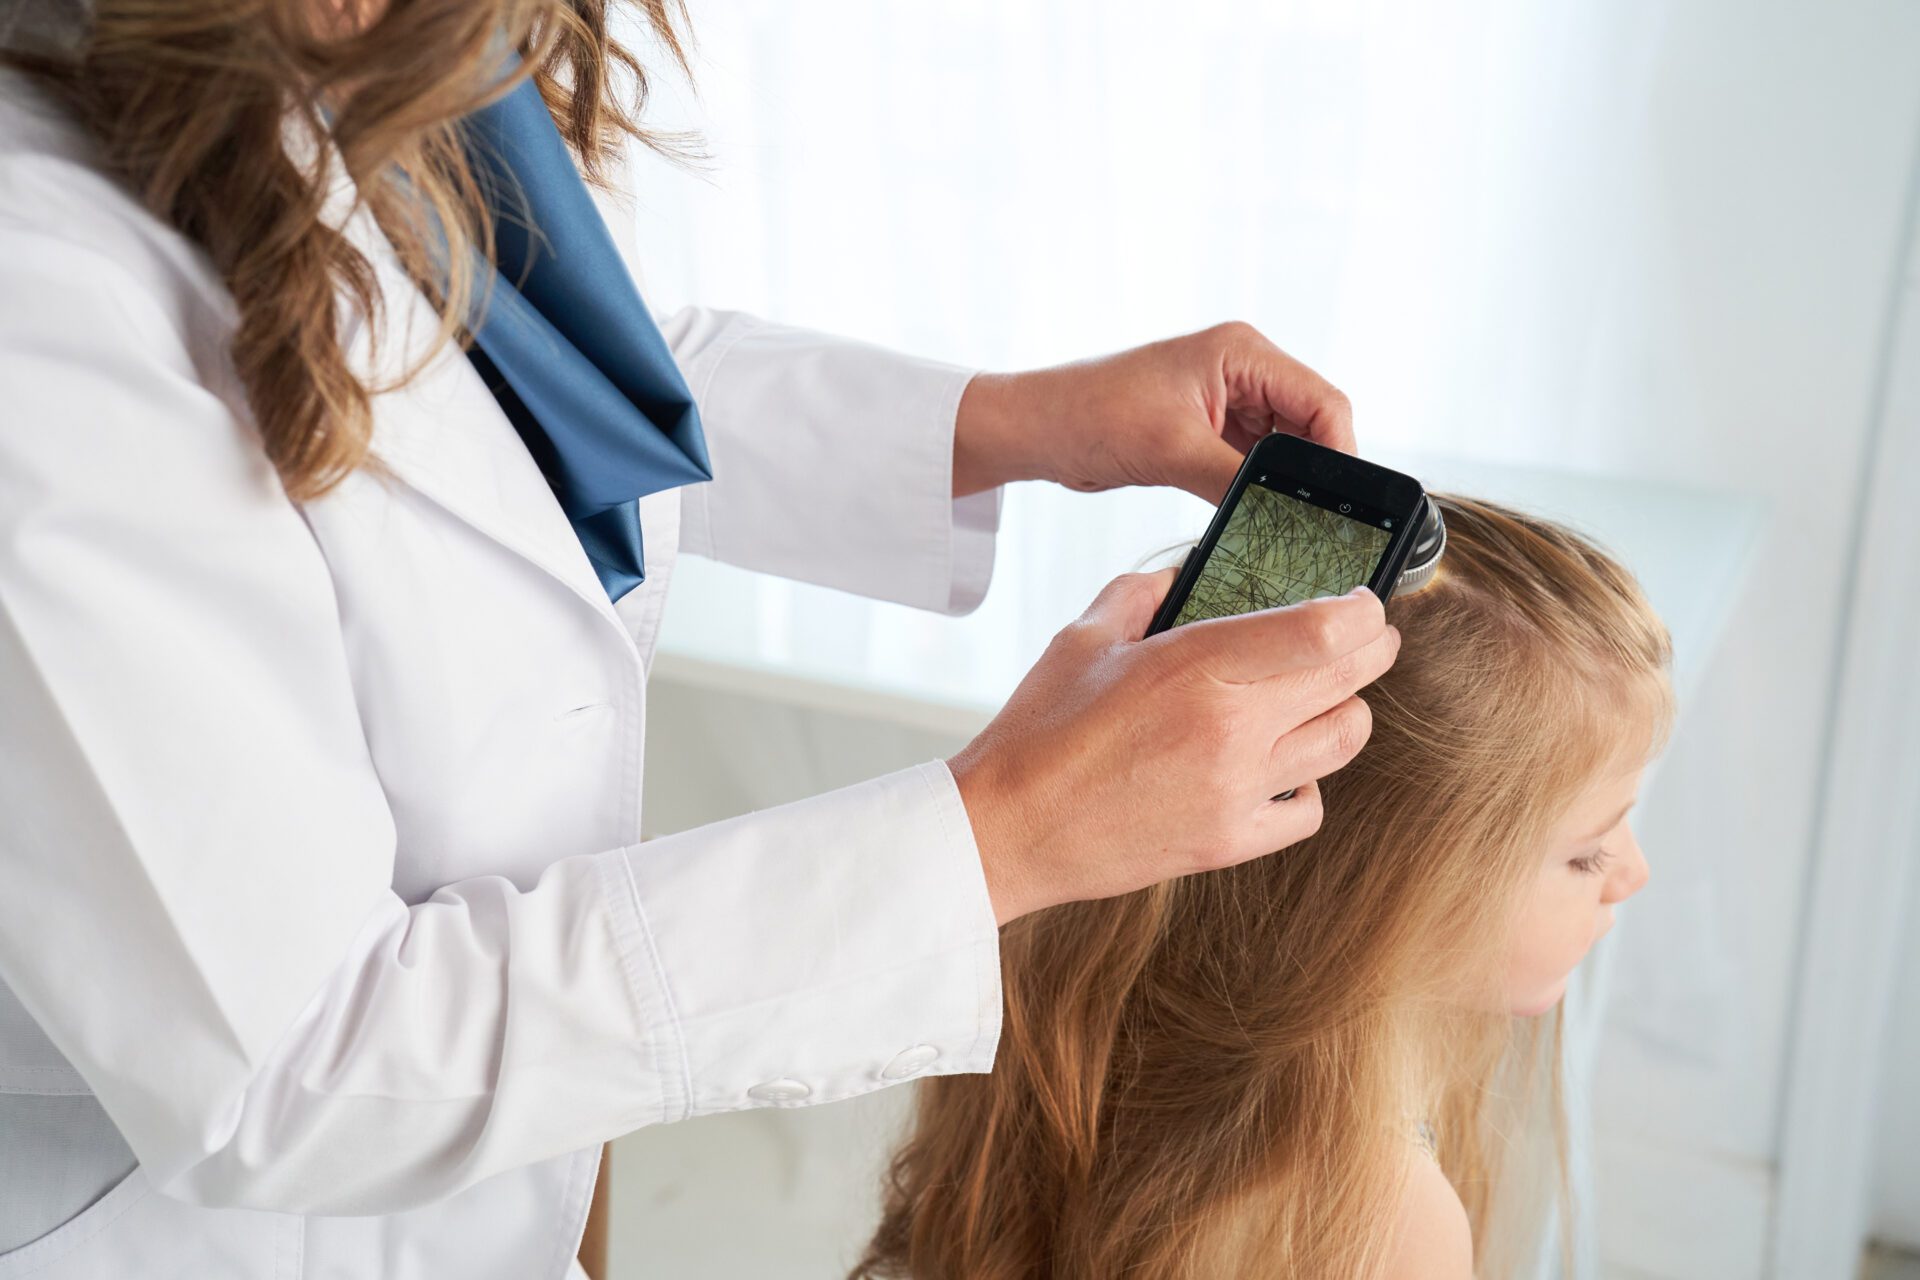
(443, 434)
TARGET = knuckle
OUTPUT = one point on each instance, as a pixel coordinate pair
(1116, 591)
(1077, 634)
(1119, 588)
(1081, 641)
(1154, 584)
(1312, 813)
(1322, 632)
(1352, 726)
(1344, 670)
(1142, 590)
(1233, 333)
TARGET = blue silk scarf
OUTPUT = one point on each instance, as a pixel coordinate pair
(568, 347)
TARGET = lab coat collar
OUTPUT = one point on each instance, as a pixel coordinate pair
(441, 432)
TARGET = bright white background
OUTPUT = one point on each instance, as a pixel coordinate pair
(1658, 240)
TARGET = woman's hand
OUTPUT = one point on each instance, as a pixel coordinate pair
(1120, 762)
(1182, 412)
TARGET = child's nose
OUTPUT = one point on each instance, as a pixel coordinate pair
(1630, 872)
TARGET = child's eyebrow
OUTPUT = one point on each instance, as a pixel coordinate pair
(1614, 821)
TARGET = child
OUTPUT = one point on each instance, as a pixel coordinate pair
(1297, 1067)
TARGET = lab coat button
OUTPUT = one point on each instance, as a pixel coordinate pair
(779, 1091)
(911, 1062)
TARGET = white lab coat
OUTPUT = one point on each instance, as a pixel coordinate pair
(319, 824)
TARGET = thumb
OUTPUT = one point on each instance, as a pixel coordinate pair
(1125, 607)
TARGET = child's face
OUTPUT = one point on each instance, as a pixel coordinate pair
(1592, 863)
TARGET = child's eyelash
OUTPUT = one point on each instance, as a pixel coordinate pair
(1591, 863)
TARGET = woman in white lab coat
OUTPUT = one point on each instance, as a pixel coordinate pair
(327, 944)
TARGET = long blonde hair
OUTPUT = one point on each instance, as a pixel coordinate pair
(1220, 1076)
(190, 101)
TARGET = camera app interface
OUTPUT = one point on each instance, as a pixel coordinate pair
(1281, 548)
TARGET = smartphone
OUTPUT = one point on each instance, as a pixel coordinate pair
(1300, 521)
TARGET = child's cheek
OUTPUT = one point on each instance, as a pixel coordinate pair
(1550, 943)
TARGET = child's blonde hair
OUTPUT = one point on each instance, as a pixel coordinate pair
(1220, 1076)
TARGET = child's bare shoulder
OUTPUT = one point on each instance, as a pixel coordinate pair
(1432, 1240)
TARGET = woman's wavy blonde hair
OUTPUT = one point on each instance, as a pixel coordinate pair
(1222, 1076)
(192, 102)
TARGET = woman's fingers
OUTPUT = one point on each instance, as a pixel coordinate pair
(1323, 745)
(1283, 641)
(1262, 378)
(1289, 822)
(1294, 766)
(1313, 711)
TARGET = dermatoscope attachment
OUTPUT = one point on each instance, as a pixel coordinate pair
(1424, 558)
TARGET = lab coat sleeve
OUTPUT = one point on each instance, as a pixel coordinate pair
(832, 463)
(196, 855)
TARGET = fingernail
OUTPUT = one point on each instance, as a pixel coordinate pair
(1361, 590)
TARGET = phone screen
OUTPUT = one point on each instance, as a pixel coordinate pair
(1280, 549)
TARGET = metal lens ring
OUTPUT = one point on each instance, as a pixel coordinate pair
(1428, 547)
